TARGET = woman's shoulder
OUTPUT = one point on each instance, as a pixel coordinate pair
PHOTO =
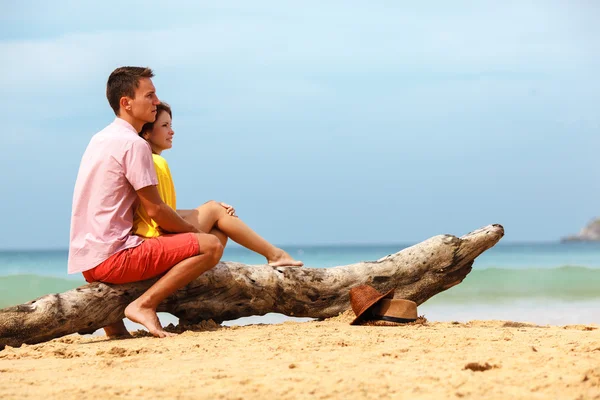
(159, 160)
(160, 164)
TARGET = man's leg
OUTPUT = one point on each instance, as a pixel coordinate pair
(212, 215)
(143, 309)
(112, 331)
(117, 331)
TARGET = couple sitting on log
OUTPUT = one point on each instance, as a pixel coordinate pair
(125, 226)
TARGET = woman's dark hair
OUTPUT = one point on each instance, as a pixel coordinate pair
(162, 107)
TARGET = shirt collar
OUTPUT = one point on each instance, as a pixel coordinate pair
(124, 124)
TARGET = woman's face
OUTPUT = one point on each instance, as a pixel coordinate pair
(161, 135)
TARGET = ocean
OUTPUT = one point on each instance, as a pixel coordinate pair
(542, 283)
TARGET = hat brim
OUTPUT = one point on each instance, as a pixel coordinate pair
(389, 295)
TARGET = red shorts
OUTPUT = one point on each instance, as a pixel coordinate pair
(152, 258)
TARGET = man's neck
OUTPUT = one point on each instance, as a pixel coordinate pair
(136, 123)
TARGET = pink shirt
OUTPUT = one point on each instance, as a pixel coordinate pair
(116, 163)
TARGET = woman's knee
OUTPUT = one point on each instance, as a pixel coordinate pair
(211, 204)
(213, 207)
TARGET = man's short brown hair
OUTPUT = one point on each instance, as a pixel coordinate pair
(122, 82)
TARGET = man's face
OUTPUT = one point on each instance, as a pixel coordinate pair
(143, 106)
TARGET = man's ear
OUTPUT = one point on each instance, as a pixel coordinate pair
(125, 102)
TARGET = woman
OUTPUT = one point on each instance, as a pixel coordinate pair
(214, 217)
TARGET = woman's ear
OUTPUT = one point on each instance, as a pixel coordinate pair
(145, 135)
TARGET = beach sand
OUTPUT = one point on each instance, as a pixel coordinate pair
(319, 359)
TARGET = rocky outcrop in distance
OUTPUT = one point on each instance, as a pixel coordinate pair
(590, 233)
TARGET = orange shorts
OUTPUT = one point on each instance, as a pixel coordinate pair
(152, 258)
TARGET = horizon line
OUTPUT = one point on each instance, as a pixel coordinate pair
(341, 244)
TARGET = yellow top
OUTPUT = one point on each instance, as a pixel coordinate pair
(143, 225)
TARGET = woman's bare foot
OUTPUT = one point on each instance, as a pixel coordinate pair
(147, 317)
(283, 259)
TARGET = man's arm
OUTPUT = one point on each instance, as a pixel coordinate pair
(165, 216)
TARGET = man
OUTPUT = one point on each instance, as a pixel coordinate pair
(115, 175)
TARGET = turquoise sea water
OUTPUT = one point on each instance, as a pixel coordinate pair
(548, 283)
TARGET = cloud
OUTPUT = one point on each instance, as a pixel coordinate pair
(282, 40)
(267, 57)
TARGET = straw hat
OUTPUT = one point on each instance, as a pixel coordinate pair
(368, 304)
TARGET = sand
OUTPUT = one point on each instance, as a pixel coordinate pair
(320, 359)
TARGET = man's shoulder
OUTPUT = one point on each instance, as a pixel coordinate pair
(118, 136)
(120, 131)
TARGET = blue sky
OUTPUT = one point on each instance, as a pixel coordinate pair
(321, 122)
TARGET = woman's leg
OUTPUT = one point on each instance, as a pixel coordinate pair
(212, 215)
(215, 231)
(220, 235)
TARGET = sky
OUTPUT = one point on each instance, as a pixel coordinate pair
(337, 122)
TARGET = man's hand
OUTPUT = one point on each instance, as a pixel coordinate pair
(230, 209)
(167, 218)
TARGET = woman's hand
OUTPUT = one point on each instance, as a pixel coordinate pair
(230, 209)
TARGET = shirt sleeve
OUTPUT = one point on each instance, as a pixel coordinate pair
(138, 165)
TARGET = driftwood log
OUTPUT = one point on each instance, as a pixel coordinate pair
(233, 290)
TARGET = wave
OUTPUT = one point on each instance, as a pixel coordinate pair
(18, 289)
(485, 286)
(499, 285)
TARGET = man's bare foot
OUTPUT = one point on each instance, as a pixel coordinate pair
(117, 331)
(283, 259)
(148, 318)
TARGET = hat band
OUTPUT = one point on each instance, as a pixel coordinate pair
(394, 319)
